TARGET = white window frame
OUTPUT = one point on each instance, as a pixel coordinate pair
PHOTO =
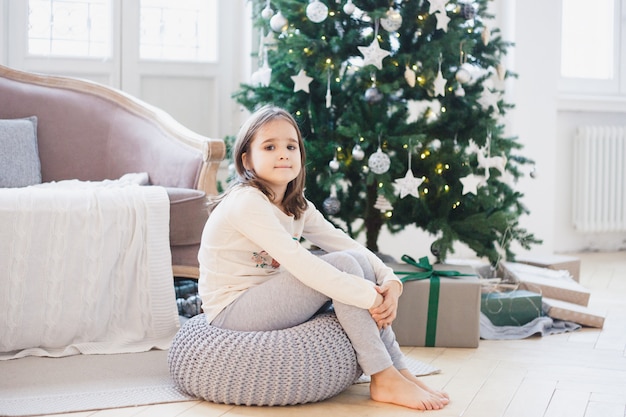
(105, 70)
(614, 88)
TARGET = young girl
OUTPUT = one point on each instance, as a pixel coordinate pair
(256, 276)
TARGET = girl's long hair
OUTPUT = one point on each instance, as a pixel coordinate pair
(293, 202)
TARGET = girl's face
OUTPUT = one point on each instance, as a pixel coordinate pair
(274, 155)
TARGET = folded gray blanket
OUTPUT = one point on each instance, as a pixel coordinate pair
(541, 325)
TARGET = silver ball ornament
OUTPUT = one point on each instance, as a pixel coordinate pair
(331, 205)
(463, 75)
(379, 162)
(317, 11)
(349, 7)
(267, 13)
(278, 22)
(334, 165)
(392, 20)
(373, 95)
(358, 153)
(468, 10)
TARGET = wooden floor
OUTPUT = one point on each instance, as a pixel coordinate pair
(576, 374)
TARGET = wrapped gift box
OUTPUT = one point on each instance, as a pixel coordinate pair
(457, 316)
(570, 264)
(549, 283)
(562, 310)
(511, 308)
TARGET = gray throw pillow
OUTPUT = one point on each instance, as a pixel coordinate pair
(19, 155)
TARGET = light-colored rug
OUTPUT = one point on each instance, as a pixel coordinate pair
(36, 386)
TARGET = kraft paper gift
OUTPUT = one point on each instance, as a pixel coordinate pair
(567, 263)
(562, 310)
(551, 284)
(442, 309)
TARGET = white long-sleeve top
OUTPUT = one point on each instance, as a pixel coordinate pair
(248, 240)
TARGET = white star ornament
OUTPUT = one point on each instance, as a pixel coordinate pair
(437, 5)
(408, 185)
(374, 54)
(470, 183)
(439, 85)
(301, 81)
(442, 20)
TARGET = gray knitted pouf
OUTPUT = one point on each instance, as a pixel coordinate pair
(306, 363)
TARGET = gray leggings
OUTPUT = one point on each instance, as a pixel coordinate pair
(284, 302)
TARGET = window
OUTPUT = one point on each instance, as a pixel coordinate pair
(590, 46)
(67, 28)
(587, 41)
(185, 30)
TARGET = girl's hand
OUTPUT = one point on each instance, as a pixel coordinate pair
(385, 313)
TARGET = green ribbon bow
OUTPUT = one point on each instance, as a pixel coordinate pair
(433, 295)
(428, 271)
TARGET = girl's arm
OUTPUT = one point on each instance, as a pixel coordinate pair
(254, 216)
(322, 233)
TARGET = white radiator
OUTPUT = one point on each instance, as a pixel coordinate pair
(599, 179)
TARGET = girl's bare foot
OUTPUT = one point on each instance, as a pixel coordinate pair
(441, 394)
(390, 386)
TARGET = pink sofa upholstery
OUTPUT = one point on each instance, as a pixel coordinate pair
(90, 132)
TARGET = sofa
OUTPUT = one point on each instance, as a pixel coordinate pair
(90, 132)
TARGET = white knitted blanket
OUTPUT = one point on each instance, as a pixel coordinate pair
(85, 268)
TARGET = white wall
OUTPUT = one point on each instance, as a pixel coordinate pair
(534, 93)
(566, 237)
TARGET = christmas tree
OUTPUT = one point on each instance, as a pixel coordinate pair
(401, 107)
